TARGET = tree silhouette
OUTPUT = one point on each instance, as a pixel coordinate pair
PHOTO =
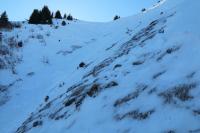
(65, 16)
(69, 17)
(41, 17)
(4, 18)
(35, 17)
(58, 15)
(46, 15)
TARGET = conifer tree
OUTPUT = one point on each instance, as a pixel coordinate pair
(4, 22)
(41, 17)
(69, 17)
(65, 16)
(35, 17)
(46, 17)
(58, 15)
(4, 18)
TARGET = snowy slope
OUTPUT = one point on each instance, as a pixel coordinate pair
(142, 74)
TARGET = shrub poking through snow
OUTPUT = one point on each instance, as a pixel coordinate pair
(12, 42)
(63, 23)
(4, 50)
(136, 114)
(168, 52)
(138, 63)
(37, 123)
(30, 74)
(196, 112)
(130, 96)
(182, 92)
(2, 64)
(143, 10)
(20, 44)
(158, 74)
(116, 17)
(82, 64)
(69, 102)
(46, 99)
(117, 66)
(111, 84)
(16, 24)
(93, 90)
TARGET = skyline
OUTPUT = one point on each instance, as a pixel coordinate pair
(88, 10)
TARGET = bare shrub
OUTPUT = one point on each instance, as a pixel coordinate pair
(138, 63)
(130, 96)
(182, 92)
(93, 90)
(12, 42)
(136, 115)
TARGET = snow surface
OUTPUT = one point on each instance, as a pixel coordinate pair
(146, 70)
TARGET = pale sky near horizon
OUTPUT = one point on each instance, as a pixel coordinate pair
(89, 10)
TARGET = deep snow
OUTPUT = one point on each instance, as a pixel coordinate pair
(142, 74)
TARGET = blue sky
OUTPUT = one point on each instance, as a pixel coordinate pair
(90, 10)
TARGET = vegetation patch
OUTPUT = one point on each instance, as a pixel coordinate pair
(37, 123)
(181, 92)
(168, 52)
(130, 96)
(136, 115)
(157, 75)
(136, 63)
(111, 84)
(93, 90)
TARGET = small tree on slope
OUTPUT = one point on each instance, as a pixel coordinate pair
(58, 15)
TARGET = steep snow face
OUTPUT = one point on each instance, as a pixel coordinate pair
(136, 74)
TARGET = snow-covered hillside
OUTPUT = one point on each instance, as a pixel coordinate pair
(141, 74)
